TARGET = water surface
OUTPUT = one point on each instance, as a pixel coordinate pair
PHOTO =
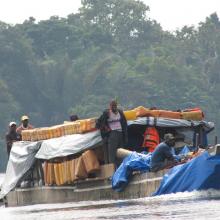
(194, 205)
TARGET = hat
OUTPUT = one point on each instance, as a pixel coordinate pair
(24, 117)
(12, 123)
(168, 137)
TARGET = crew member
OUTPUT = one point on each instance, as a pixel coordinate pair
(151, 139)
(11, 136)
(162, 156)
(113, 126)
(24, 124)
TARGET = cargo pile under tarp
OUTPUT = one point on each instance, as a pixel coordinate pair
(24, 153)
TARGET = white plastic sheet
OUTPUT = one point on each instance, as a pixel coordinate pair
(69, 144)
(21, 158)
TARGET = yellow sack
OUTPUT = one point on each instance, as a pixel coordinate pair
(90, 161)
(80, 170)
(130, 115)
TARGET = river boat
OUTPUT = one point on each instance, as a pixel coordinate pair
(96, 187)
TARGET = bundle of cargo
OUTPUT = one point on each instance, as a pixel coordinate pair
(26, 135)
(90, 161)
(87, 125)
(72, 128)
(188, 114)
(193, 114)
(67, 171)
(76, 127)
(130, 115)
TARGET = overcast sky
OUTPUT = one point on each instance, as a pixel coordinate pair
(171, 14)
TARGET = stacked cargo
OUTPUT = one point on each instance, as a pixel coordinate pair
(195, 114)
(69, 170)
(87, 125)
(77, 127)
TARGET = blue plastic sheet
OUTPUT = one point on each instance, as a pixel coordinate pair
(136, 162)
(201, 173)
(133, 162)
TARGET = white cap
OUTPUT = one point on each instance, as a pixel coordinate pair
(12, 123)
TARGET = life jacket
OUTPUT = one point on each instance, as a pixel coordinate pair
(151, 138)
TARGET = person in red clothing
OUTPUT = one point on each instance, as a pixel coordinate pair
(151, 139)
(24, 124)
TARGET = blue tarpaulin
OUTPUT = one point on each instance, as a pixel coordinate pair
(135, 162)
(201, 173)
(131, 163)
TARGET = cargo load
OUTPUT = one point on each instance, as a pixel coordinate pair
(68, 128)
(187, 114)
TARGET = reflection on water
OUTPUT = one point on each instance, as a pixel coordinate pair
(194, 205)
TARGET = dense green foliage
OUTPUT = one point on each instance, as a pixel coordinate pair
(108, 49)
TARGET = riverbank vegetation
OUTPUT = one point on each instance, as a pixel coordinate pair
(52, 68)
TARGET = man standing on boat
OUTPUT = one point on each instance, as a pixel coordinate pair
(24, 124)
(113, 126)
(162, 156)
(11, 136)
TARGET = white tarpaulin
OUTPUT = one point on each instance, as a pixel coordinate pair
(69, 144)
(21, 158)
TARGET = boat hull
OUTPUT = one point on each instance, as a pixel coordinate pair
(141, 185)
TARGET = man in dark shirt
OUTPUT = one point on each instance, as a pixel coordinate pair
(113, 126)
(11, 136)
(162, 156)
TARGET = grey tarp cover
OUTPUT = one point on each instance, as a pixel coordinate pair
(21, 158)
(23, 153)
(169, 122)
(66, 145)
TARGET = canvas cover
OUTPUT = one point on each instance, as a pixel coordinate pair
(133, 162)
(201, 173)
(69, 144)
(21, 158)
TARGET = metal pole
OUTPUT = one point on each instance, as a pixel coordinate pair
(216, 139)
(197, 140)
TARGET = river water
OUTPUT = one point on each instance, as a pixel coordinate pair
(188, 205)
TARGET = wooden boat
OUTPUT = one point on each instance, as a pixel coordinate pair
(141, 185)
(99, 187)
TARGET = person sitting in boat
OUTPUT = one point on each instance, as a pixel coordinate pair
(162, 157)
(151, 138)
(11, 136)
(113, 126)
(24, 124)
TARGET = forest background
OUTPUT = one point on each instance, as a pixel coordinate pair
(108, 49)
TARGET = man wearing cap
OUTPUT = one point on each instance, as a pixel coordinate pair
(24, 124)
(162, 156)
(11, 136)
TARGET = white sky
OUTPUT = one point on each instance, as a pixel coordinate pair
(171, 14)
